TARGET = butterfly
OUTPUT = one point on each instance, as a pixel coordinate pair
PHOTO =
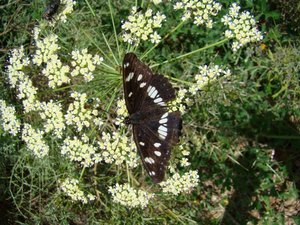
(155, 129)
(51, 9)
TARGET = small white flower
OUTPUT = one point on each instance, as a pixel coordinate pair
(8, 119)
(84, 64)
(78, 115)
(129, 197)
(242, 27)
(206, 75)
(180, 183)
(52, 114)
(80, 152)
(46, 48)
(34, 141)
(200, 11)
(140, 27)
(118, 148)
(71, 188)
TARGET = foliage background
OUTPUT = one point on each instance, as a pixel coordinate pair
(245, 137)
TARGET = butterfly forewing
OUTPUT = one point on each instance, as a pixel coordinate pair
(136, 78)
(155, 129)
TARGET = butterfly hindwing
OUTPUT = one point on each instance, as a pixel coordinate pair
(154, 138)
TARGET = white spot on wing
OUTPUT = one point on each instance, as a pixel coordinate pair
(140, 77)
(153, 94)
(164, 120)
(142, 143)
(158, 153)
(164, 115)
(157, 145)
(130, 76)
(162, 133)
(152, 173)
(149, 88)
(130, 94)
(126, 65)
(157, 100)
(142, 84)
(162, 128)
(149, 160)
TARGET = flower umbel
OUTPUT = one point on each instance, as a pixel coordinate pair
(79, 116)
(122, 112)
(200, 11)
(180, 183)
(242, 27)
(34, 141)
(51, 112)
(66, 7)
(207, 74)
(78, 151)
(118, 148)
(46, 48)
(71, 188)
(17, 61)
(9, 121)
(127, 196)
(140, 26)
(84, 64)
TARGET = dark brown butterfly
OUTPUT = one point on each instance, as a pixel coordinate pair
(51, 9)
(155, 129)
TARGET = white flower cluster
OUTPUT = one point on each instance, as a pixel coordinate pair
(56, 72)
(140, 27)
(46, 48)
(62, 16)
(71, 188)
(122, 112)
(84, 64)
(19, 80)
(177, 183)
(200, 11)
(10, 123)
(78, 151)
(27, 92)
(51, 112)
(34, 141)
(118, 149)
(242, 27)
(80, 116)
(17, 61)
(206, 75)
(184, 161)
(129, 197)
(179, 102)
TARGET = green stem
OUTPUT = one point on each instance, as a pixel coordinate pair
(113, 97)
(181, 81)
(91, 9)
(112, 53)
(114, 27)
(82, 172)
(191, 53)
(167, 35)
(107, 66)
